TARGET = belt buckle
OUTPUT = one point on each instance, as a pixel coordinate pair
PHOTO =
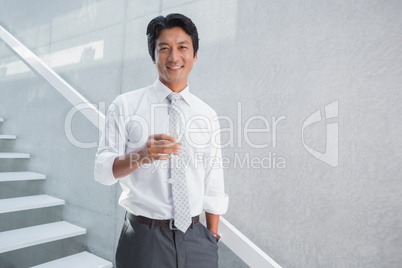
(171, 227)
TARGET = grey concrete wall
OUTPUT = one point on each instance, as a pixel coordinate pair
(272, 59)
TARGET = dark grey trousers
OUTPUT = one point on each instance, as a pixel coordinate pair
(142, 246)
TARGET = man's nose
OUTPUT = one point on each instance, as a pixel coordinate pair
(173, 55)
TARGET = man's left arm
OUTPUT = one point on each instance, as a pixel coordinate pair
(212, 222)
(215, 199)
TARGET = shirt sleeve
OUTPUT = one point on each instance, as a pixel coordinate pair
(215, 199)
(111, 145)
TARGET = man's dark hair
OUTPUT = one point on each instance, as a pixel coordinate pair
(172, 20)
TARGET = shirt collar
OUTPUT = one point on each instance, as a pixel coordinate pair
(163, 91)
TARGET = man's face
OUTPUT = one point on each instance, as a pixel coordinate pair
(174, 57)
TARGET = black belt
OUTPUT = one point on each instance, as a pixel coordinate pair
(169, 224)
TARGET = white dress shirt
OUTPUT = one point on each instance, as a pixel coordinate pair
(131, 119)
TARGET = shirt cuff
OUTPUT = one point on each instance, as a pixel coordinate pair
(216, 204)
(103, 171)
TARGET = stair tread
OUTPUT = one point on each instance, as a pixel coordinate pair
(8, 137)
(21, 176)
(14, 155)
(28, 202)
(39, 234)
(80, 260)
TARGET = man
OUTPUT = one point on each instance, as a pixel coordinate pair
(162, 144)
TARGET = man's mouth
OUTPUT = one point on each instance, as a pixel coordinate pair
(174, 67)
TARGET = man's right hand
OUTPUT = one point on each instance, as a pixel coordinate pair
(157, 147)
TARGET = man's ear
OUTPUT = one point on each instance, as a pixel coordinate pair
(195, 57)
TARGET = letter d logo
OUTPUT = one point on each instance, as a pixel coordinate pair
(330, 156)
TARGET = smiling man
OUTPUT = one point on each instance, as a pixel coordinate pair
(157, 144)
(174, 57)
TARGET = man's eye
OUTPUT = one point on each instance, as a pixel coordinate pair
(183, 47)
(163, 48)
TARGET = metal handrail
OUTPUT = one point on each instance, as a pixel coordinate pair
(37, 65)
(251, 254)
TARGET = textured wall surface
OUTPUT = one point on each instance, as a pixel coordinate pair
(264, 65)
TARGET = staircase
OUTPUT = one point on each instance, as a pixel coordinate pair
(39, 234)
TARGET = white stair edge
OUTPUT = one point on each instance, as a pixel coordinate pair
(8, 137)
(21, 176)
(80, 260)
(35, 235)
(14, 155)
(28, 202)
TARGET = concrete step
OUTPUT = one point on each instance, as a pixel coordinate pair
(39, 234)
(8, 137)
(80, 260)
(28, 202)
(14, 155)
(21, 176)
